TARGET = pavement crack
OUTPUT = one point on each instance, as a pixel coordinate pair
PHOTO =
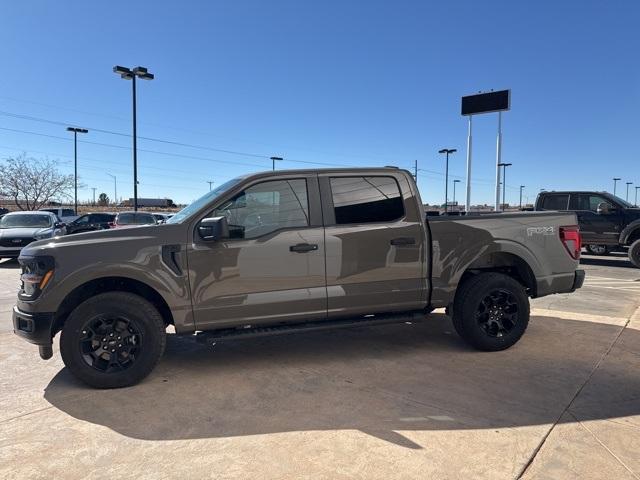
(535, 452)
(618, 459)
(7, 420)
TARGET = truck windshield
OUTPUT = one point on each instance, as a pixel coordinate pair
(192, 208)
(622, 202)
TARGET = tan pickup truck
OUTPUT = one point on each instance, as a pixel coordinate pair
(282, 252)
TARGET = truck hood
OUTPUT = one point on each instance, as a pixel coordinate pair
(108, 243)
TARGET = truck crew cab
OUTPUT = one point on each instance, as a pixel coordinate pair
(285, 251)
(606, 221)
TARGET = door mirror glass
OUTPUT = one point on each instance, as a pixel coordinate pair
(59, 224)
(213, 228)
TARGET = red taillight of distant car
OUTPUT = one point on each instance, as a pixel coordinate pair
(571, 240)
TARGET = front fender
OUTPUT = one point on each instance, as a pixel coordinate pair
(628, 231)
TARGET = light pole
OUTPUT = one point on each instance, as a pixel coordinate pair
(132, 74)
(446, 151)
(274, 160)
(94, 196)
(210, 182)
(521, 188)
(75, 131)
(504, 182)
(627, 197)
(615, 184)
(115, 189)
(636, 202)
(454, 191)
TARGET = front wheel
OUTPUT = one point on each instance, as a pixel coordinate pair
(634, 253)
(491, 311)
(113, 340)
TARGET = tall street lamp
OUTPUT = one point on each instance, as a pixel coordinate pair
(75, 131)
(615, 184)
(504, 182)
(636, 202)
(454, 191)
(521, 188)
(115, 189)
(446, 151)
(210, 182)
(132, 74)
(627, 197)
(274, 160)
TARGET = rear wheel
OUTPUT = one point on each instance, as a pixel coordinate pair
(113, 340)
(491, 311)
(599, 249)
(634, 253)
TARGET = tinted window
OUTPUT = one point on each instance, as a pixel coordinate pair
(366, 199)
(67, 212)
(584, 201)
(266, 207)
(102, 217)
(82, 219)
(135, 219)
(555, 202)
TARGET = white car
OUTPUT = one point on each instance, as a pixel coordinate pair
(66, 215)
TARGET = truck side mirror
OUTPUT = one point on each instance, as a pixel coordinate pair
(213, 228)
(603, 208)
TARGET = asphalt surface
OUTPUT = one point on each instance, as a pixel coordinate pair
(397, 401)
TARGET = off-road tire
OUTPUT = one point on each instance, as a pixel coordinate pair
(634, 253)
(469, 300)
(143, 318)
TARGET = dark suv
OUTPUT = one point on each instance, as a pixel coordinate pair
(606, 221)
(91, 222)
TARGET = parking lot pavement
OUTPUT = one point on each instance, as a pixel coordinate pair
(396, 401)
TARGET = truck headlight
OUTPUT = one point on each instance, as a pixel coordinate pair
(36, 274)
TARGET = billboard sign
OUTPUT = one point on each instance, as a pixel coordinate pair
(486, 102)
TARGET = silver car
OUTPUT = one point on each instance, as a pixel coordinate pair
(19, 229)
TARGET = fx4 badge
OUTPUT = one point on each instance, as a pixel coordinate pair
(531, 231)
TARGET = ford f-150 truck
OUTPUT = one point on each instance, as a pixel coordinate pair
(288, 251)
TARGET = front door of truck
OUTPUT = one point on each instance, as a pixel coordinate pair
(272, 268)
(375, 244)
(596, 227)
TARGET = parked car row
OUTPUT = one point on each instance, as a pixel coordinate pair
(19, 229)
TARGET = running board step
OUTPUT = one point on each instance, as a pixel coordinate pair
(215, 336)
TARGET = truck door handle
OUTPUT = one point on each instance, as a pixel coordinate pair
(403, 241)
(303, 247)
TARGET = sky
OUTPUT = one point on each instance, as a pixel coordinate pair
(332, 83)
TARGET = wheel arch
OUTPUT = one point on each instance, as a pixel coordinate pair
(507, 263)
(110, 284)
(631, 233)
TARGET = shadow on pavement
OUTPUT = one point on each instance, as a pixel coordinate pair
(9, 263)
(618, 262)
(379, 380)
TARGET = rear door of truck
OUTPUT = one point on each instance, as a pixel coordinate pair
(375, 243)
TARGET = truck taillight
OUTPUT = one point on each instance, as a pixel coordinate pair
(571, 240)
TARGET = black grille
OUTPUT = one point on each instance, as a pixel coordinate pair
(16, 242)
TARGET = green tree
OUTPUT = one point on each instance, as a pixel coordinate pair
(103, 199)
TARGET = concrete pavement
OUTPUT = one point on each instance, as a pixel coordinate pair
(396, 401)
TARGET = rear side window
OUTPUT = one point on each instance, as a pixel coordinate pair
(67, 212)
(135, 219)
(366, 199)
(555, 202)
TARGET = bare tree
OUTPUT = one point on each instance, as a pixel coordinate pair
(31, 183)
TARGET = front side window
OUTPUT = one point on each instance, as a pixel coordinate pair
(555, 202)
(83, 219)
(584, 201)
(266, 207)
(366, 199)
